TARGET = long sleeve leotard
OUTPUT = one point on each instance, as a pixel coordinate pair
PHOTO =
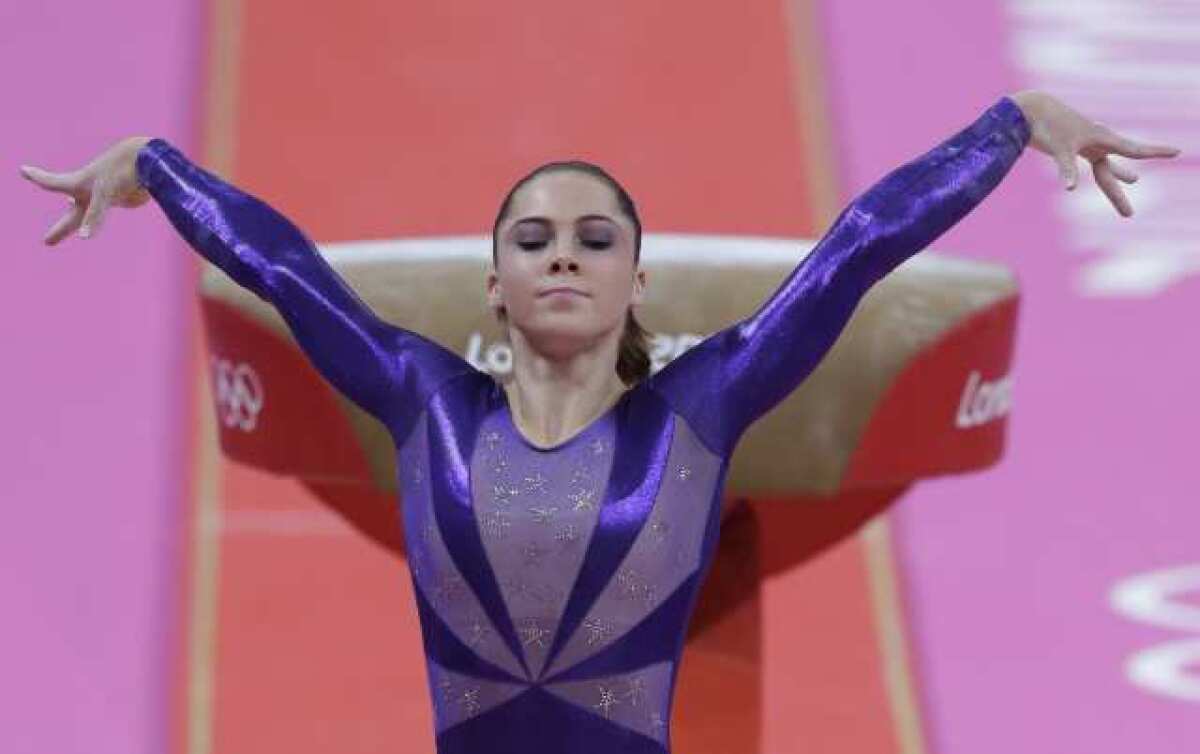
(554, 585)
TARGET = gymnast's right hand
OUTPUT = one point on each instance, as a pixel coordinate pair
(109, 180)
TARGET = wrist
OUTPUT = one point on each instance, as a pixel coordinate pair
(133, 148)
(131, 189)
(1027, 100)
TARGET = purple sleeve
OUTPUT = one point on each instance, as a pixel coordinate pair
(727, 381)
(387, 370)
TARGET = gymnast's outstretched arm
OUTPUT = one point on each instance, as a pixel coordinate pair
(381, 367)
(727, 381)
(724, 383)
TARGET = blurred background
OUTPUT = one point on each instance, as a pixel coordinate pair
(157, 597)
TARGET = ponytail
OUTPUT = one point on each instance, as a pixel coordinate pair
(633, 357)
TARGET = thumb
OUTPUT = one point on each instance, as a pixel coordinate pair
(1068, 168)
(95, 210)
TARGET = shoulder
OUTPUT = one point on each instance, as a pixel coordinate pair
(428, 372)
(693, 394)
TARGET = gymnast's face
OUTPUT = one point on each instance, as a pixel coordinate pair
(564, 228)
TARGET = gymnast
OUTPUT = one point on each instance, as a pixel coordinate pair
(558, 527)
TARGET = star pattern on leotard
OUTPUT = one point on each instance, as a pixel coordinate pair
(502, 493)
(567, 536)
(533, 632)
(598, 631)
(496, 524)
(476, 634)
(536, 482)
(543, 514)
(634, 586)
(469, 701)
(636, 691)
(608, 700)
(499, 464)
(583, 499)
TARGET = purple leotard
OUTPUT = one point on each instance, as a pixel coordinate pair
(554, 585)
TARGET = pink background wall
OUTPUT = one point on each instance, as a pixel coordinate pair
(1008, 572)
(93, 351)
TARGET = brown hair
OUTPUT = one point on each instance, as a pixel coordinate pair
(633, 355)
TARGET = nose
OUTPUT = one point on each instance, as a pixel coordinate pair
(564, 256)
(560, 263)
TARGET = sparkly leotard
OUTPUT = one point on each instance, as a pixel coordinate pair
(554, 585)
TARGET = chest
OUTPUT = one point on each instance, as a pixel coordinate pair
(553, 555)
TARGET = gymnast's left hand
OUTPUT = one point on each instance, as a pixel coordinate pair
(1066, 135)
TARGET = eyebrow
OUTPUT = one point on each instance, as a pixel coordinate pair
(546, 221)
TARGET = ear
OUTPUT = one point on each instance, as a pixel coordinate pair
(494, 294)
(639, 287)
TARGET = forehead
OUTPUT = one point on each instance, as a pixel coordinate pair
(564, 194)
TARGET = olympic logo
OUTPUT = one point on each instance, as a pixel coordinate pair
(238, 392)
(1157, 598)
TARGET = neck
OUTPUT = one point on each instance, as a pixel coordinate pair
(552, 400)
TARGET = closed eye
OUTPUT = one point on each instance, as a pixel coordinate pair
(531, 245)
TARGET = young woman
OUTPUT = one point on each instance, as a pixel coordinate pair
(558, 528)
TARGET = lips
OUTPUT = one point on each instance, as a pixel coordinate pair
(563, 289)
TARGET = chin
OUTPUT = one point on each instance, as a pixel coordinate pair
(567, 327)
